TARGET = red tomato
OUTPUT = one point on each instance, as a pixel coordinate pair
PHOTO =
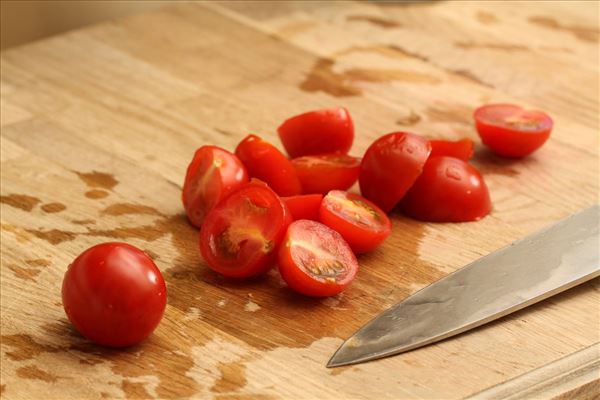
(268, 164)
(211, 176)
(114, 294)
(511, 131)
(318, 132)
(315, 260)
(390, 167)
(304, 206)
(448, 190)
(361, 223)
(240, 236)
(325, 172)
(461, 149)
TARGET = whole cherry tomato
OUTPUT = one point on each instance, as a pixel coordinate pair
(318, 132)
(114, 294)
(511, 131)
(448, 190)
(325, 172)
(211, 176)
(461, 149)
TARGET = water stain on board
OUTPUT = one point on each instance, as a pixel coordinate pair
(587, 34)
(119, 209)
(471, 77)
(33, 372)
(96, 194)
(24, 347)
(51, 208)
(25, 273)
(134, 390)
(97, 179)
(374, 20)
(83, 221)
(409, 120)
(232, 377)
(451, 113)
(20, 201)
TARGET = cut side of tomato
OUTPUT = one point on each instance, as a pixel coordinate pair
(448, 190)
(360, 222)
(304, 206)
(325, 172)
(315, 260)
(512, 131)
(211, 176)
(461, 149)
(390, 166)
(240, 236)
(265, 162)
(318, 132)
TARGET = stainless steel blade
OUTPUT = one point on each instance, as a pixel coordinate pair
(523, 273)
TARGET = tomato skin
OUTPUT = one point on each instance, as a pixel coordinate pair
(304, 206)
(448, 190)
(324, 172)
(114, 294)
(211, 176)
(241, 235)
(317, 132)
(461, 149)
(265, 162)
(390, 166)
(360, 222)
(510, 131)
(296, 252)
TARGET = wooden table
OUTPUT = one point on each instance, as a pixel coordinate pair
(99, 124)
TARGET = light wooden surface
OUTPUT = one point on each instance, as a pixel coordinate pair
(98, 126)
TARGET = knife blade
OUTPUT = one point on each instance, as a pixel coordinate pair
(523, 273)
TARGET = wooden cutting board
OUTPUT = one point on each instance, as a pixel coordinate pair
(99, 124)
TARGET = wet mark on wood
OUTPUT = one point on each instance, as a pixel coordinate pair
(21, 235)
(53, 207)
(486, 18)
(33, 372)
(134, 390)
(2, 388)
(28, 274)
(468, 75)
(20, 201)
(492, 46)
(25, 347)
(97, 179)
(96, 194)
(129, 208)
(53, 236)
(587, 34)
(451, 113)
(38, 262)
(378, 21)
(409, 120)
(83, 221)
(407, 53)
(232, 377)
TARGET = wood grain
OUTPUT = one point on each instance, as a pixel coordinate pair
(99, 124)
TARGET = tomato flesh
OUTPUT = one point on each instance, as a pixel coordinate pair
(240, 236)
(114, 294)
(211, 176)
(390, 166)
(318, 132)
(325, 172)
(448, 190)
(461, 149)
(304, 206)
(512, 131)
(360, 222)
(315, 260)
(265, 162)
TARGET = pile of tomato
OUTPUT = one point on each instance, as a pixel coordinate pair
(257, 208)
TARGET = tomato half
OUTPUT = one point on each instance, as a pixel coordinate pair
(318, 132)
(211, 176)
(360, 222)
(315, 260)
(325, 172)
(240, 236)
(304, 206)
(390, 166)
(461, 149)
(512, 131)
(448, 190)
(114, 294)
(265, 162)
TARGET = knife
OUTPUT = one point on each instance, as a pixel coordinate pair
(514, 277)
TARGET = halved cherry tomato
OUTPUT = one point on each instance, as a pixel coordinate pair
(211, 176)
(268, 164)
(240, 236)
(304, 206)
(448, 190)
(315, 260)
(325, 172)
(364, 225)
(318, 132)
(390, 167)
(511, 131)
(461, 149)
(114, 294)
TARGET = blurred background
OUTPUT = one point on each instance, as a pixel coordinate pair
(25, 21)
